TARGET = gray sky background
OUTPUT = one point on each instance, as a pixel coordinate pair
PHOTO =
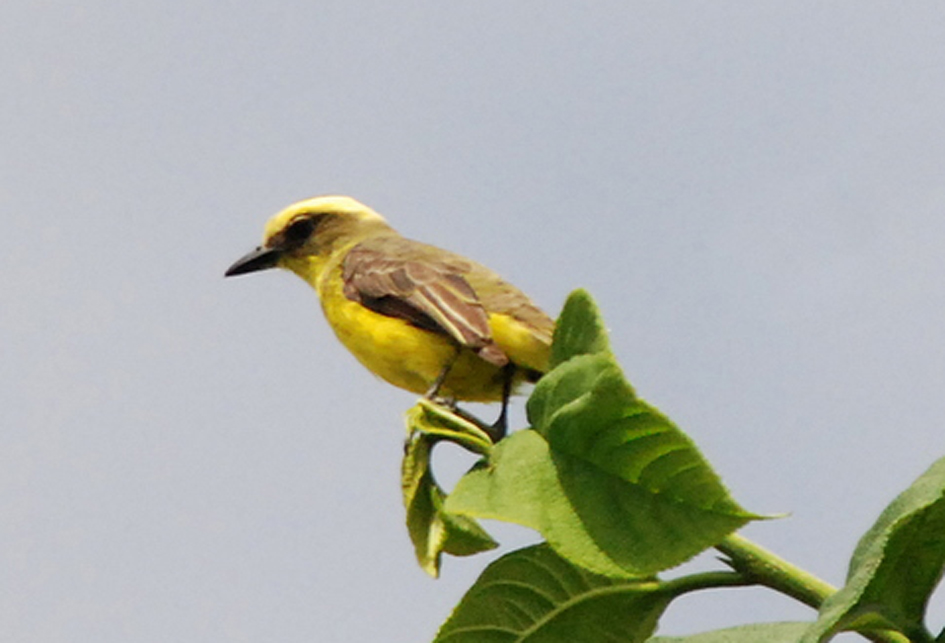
(752, 191)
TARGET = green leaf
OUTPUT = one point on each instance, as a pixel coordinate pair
(534, 596)
(432, 529)
(579, 329)
(520, 484)
(587, 409)
(638, 484)
(896, 566)
(435, 421)
(756, 633)
(592, 518)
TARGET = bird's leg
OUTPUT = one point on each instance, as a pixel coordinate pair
(498, 430)
(432, 394)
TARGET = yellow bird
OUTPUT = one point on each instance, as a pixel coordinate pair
(424, 319)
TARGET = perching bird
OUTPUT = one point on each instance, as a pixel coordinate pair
(422, 318)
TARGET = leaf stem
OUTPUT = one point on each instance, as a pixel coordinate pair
(766, 568)
(705, 580)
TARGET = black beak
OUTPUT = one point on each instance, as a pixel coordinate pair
(259, 259)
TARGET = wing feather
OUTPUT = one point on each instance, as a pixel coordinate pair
(411, 281)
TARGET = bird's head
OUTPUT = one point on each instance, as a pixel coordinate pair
(311, 230)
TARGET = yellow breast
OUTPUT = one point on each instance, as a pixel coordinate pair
(412, 358)
(404, 355)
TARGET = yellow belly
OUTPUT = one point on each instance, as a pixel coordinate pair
(409, 357)
(412, 358)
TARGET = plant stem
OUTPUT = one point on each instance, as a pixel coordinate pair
(770, 570)
(767, 568)
(706, 580)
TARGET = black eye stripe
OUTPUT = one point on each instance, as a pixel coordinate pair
(298, 232)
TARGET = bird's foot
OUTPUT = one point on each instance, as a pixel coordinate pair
(441, 400)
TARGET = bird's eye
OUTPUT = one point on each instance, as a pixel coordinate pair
(299, 231)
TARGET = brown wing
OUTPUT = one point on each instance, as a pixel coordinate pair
(400, 278)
